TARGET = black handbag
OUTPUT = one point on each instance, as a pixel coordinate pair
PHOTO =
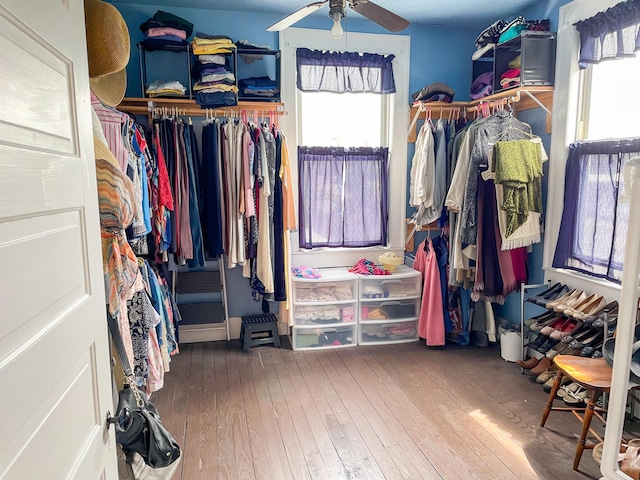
(138, 425)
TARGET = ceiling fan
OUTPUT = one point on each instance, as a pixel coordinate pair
(337, 10)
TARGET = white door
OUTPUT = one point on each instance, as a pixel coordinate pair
(54, 362)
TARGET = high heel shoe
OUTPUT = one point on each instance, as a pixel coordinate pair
(554, 295)
(547, 295)
(611, 307)
(563, 331)
(550, 328)
(552, 303)
(570, 302)
(542, 320)
(576, 346)
(591, 309)
(571, 311)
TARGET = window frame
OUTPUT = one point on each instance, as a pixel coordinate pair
(569, 125)
(398, 123)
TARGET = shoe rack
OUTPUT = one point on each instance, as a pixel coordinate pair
(523, 290)
(579, 310)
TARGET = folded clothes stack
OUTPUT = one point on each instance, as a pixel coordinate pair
(160, 88)
(165, 29)
(262, 87)
(216, 81)
(511, 77)
(501, 31)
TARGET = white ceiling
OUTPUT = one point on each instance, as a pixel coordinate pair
(430, 12)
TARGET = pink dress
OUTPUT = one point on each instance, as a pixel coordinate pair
(431, 321)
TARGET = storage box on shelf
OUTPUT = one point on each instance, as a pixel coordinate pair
(178, 57)
(325, 310)
(537, 52)
(389, 307)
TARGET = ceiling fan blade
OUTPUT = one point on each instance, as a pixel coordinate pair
(381, 16)
(296, 16)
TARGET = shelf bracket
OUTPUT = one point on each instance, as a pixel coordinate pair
(415, 118)
(542, 105)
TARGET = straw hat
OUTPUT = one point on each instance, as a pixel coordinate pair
(108, 49)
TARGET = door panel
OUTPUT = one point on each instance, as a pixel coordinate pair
(54, 359)
(43, 74)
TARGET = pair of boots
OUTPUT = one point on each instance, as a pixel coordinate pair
(535, 365)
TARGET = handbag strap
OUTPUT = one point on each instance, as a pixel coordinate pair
(119, 344)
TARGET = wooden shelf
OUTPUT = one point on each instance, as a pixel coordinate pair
(520, 98)
(142, 106)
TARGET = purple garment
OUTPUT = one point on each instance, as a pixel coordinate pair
(482, 86)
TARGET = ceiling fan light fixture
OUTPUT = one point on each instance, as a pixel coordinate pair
(337, 30)
(336, 12)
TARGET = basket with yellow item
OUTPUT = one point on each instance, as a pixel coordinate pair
(390, 261)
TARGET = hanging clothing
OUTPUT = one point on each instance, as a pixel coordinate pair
(431, 322)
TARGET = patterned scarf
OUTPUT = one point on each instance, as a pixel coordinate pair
(117, 210)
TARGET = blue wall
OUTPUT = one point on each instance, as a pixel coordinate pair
(546, 9)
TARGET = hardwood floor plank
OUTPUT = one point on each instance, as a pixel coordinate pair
(224, 435)
(208, 445)
(276, 417)
(241, 442)
(265, 440)
(255, 431)
(302, 449)
(314, 406)
(191, 445)
(179, 400)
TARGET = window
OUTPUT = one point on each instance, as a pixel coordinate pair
(611, 99)
(394, 108)
(342, 120)
(597, 134)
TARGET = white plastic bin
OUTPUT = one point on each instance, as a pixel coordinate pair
(510, 346)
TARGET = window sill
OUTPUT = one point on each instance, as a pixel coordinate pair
(611, 291)
(339, 257)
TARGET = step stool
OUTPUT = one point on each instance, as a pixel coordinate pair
(264, 322)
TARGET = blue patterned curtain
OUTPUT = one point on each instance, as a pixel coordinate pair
(614, 33)
(341, 72)
(594, 221)
(343, 196)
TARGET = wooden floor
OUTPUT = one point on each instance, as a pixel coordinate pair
(369, 412)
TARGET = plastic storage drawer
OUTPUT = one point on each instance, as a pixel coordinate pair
(327, 292)
(389, 310)
(396, 332)
(325, 314)
(405, 283)
(307, 338)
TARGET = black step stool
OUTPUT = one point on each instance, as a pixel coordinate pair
(263, 322)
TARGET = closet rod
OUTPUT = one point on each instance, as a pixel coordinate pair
(145, 106)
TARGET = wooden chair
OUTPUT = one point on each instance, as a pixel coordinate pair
(593, 374)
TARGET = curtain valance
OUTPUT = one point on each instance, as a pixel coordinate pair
(340, 72)
(613, 33)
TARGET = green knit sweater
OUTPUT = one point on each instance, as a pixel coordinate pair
(518, 166)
